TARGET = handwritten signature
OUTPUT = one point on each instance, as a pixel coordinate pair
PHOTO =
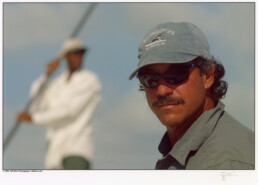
(227, 174)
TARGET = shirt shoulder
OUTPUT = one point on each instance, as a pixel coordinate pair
(231, 134)
(86, 74)
(230, 146)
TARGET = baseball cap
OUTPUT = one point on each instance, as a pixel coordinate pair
(72, 44)
(172, 43)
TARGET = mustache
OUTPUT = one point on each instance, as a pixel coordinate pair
(164, 100)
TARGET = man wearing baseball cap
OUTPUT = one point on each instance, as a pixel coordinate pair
(65, 108)
(183, 87)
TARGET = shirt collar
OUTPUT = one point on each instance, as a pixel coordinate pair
(194, 137)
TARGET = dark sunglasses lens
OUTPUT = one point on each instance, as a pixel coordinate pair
(178, 78)
(78, 52)
(173, 78)
(149, 80)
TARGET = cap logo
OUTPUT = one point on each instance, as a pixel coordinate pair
(155, 42)
(158, 38)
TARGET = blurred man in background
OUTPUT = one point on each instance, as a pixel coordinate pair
(65, 108)
(183, 87)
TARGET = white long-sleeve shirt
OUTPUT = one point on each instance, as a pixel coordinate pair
(65, 109)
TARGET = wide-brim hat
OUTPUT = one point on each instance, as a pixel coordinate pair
(172, 43)
(71, 45)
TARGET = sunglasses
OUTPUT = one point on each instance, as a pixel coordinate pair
(174, 76)
(81, 51)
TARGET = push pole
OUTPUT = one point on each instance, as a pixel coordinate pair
(75, 32)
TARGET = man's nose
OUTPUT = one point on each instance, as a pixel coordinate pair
(164, 88)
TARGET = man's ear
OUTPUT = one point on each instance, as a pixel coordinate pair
(208, 78)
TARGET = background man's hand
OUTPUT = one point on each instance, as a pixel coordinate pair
(24, 116)
(51, 67)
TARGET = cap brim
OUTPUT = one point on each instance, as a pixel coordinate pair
(171, 57)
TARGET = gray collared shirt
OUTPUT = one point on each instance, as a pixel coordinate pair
(214, 141)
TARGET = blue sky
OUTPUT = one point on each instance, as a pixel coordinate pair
(126, 133)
